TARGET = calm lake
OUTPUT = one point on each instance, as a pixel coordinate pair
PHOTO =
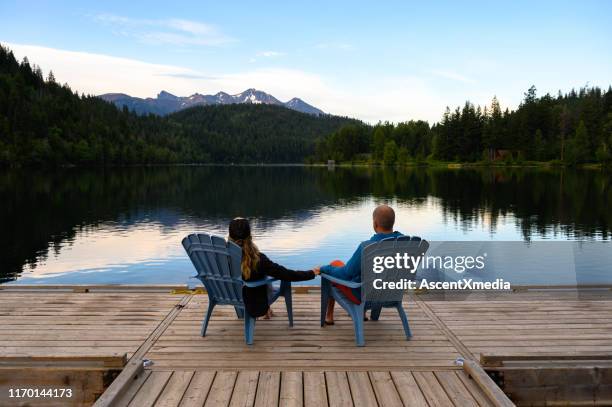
(124, 226)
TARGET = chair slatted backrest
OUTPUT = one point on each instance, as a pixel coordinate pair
(218, 265)
(413, 246)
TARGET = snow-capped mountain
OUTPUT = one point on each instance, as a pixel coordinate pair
(166, 103)
(301, 106)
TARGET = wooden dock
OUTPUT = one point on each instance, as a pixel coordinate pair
(511, 333)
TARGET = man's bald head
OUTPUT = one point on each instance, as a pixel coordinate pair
(384, 218)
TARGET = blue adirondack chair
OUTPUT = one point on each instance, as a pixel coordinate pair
(218, 265)
(414, 246)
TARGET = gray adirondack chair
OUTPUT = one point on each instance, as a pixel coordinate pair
(218, 265)
(413, 245)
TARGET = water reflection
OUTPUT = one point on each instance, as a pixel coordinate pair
(125, 225)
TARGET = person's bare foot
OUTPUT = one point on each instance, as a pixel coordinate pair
(269, 314)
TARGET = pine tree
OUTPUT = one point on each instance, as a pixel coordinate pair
(563, 120)
(530, 95)
(403, 156)
(379, 143)
(577, 148)
(603, 154)
(492, 130)
(539, 147)
(390, 155)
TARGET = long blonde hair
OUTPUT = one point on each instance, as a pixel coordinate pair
(240, 233)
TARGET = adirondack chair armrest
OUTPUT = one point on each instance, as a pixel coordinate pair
(259, 283)
(350, 284)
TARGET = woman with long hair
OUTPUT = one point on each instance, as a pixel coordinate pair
(256, 265)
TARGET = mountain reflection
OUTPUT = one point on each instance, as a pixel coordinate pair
(44, 214)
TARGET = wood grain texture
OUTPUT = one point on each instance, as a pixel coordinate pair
(304, 365)
(291, 388)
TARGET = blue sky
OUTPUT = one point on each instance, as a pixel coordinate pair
(386, 61)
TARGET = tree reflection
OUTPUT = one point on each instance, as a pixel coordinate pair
(42, 212)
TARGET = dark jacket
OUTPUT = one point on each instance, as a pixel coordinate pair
(256, 298)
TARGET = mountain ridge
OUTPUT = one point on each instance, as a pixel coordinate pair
(166, 103)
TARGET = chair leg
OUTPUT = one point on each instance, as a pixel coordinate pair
(249, 328)
(211, 306)
(404, 319)
(289, 305)
(357, 315)
(239, 312)
(325, 293)
(375, 314)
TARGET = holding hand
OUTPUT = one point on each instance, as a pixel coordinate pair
(317, 270)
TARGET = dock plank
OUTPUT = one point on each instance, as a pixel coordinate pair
(304, 365)
(432, 390)
(338, 389)
(245, 389)
(475, 391)
(131, 391)
(385, 390)
(408, 389)
(455, 389)
(302, 348)
(292, 389)
(222, 389)
(361, 389)
(268, 389)
(151, 389)
(198, 389)
(56, 323)
(315, 393)
(175, 389)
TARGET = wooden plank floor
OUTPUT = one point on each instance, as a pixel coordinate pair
(530, 323)
(306, 346)
(310, 388)
(58, 323)
(306, 364)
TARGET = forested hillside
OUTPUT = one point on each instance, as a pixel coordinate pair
(255, 133)
(570, 128)
(45, 123)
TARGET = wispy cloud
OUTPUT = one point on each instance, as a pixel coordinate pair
(454, 76)
(266, 54)
(270, 54)
(172, 31)
(380, 98)
(186, 75)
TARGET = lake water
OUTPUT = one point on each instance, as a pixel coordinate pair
(125, 225)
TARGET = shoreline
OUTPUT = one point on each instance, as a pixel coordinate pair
(424, 164)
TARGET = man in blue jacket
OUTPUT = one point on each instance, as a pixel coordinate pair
(383, 219)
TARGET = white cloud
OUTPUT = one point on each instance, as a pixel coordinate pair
(391, 98)
(96, 73)
(266, 54)
(453, 76)
(270, 54)
(167, 31)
